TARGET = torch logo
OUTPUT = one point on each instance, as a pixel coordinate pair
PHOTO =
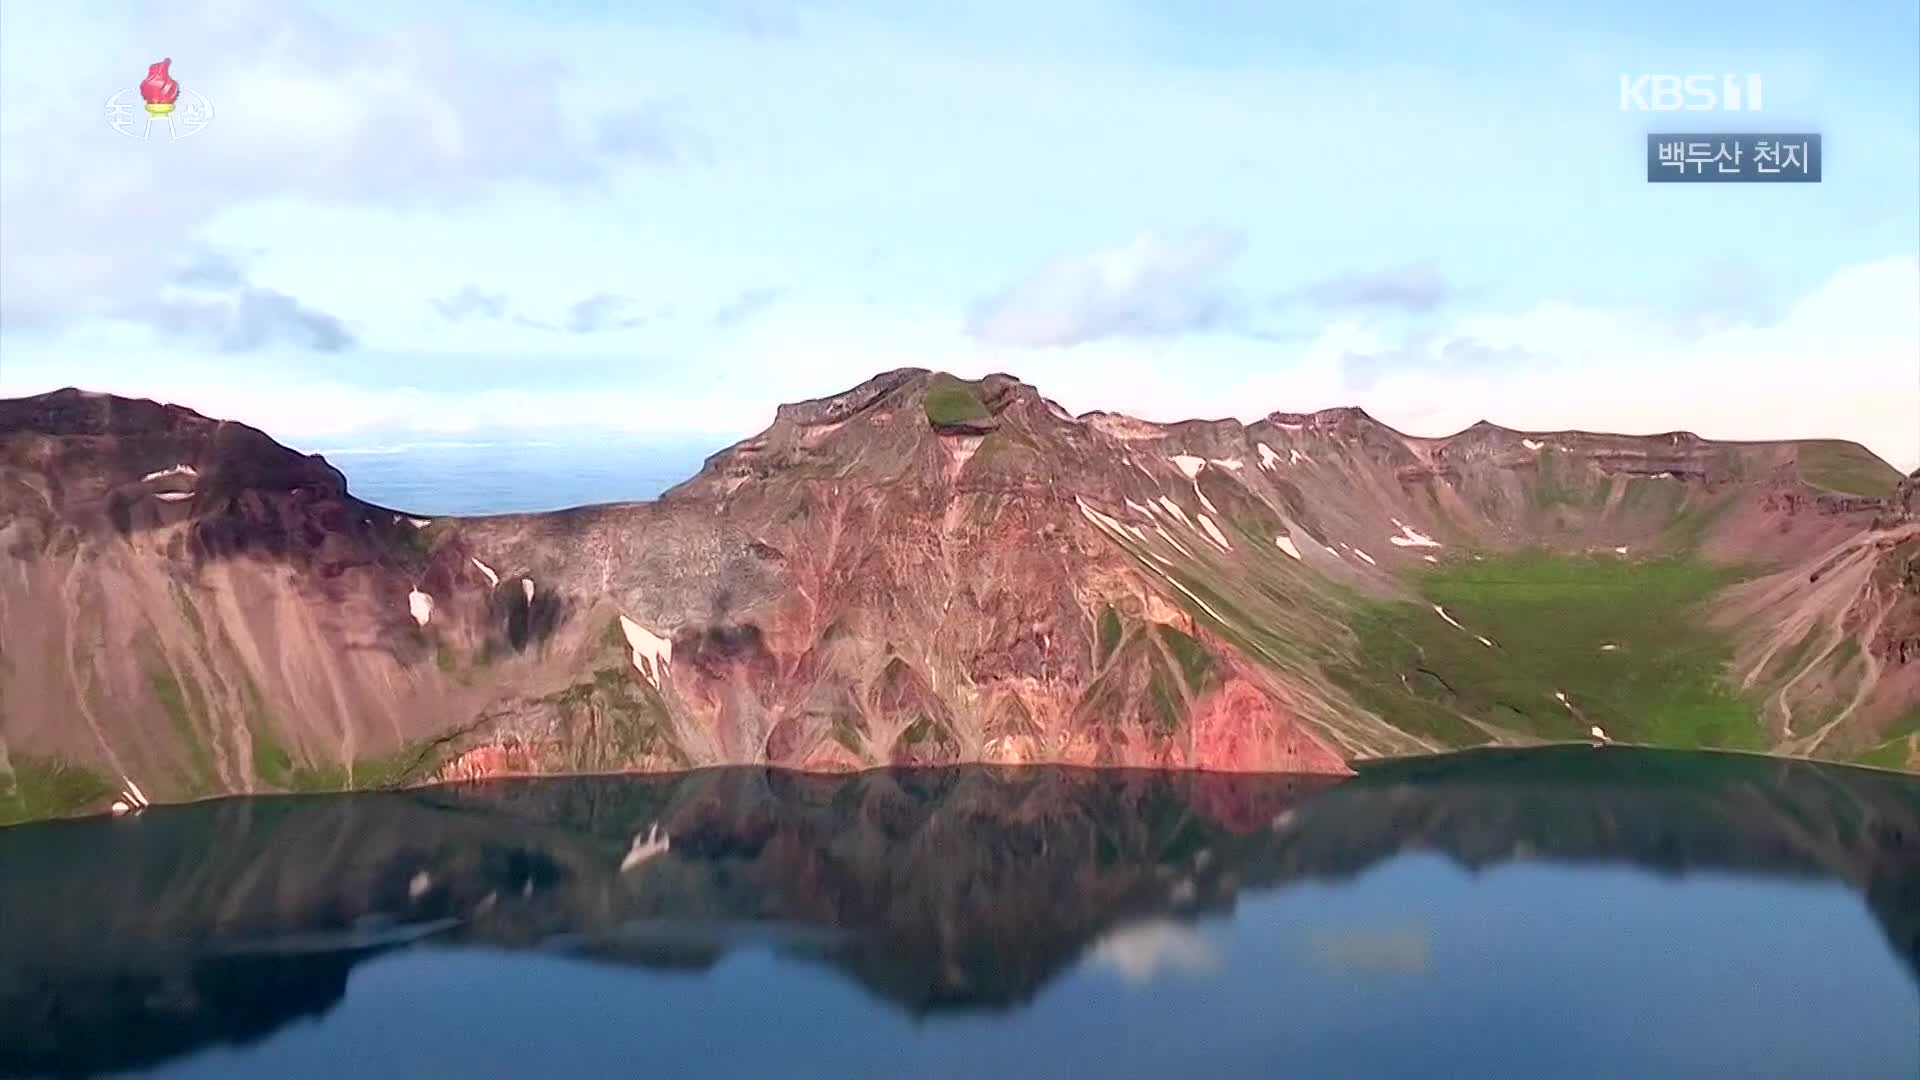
(160, 99)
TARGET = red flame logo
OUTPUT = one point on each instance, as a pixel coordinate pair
(158, 88)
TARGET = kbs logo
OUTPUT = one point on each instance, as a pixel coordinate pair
(1689, 93)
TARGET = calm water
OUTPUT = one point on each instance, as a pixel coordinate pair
(511, 476)
(1570, 913)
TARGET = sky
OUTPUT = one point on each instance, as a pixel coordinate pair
(424, 220)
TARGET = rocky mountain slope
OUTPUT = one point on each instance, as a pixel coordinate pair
(924, 570)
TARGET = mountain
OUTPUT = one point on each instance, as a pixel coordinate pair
(934, 889)
(923, 570)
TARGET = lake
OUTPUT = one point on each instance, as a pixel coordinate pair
(1548, 913)
(512, 476)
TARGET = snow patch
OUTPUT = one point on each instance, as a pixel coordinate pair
(1204, 501)
(173, 496)
(1412, 537)
(1294, 427)
(1363, 555)
(420, 605)
(1189, 464)
(1485, 642)
(177, 470)
(1619, 551)
(1287, 545)
(1232, 464)
(1609, 647)
(1096, 516)
(1171, 540)
(419, 885)
(1295, 457)
(1442, 612)
(1208, 608)
(651, 652)
(419, 523)
(493, 579)
(1214, 532)
(1174, 508)
(526, 588)
(1430, 558)
(650, 844)
(1531, 445)
(1268, 459)
(1136, 506)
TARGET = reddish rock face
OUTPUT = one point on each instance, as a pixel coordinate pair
(917, 571)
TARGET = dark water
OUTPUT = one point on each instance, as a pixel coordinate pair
(1568, 913)
(511, 476)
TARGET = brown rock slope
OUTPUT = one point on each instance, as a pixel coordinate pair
(919, 570)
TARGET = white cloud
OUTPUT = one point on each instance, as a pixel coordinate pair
(1152, 286)
(1144, 951)
(1844, 362)
(305, 108)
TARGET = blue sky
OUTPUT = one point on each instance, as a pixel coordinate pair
(428, 219)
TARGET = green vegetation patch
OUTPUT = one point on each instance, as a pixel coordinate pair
(951, 402)
(1846, 468)
(1163, 703)
(1196, 663)
(40, 788)
(1109, 636)
(1892, 754)
(181, 700)
(1548, 616)
(1692, 524)
(367, 773)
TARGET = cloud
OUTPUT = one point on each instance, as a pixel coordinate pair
(656, 132)
(307, 110)
(764, 18)
(602, 312)
(212, 269)
(1456, 356)
(745, 306)
(1405, 288)
(1152, 287)
(213, 299)
(1142, 952)
(1389, 951)
(248, 319)
(471, 302)
(1839, 362)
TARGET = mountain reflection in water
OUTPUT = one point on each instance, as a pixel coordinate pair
(1000, 921)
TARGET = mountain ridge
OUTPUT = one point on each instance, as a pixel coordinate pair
(920, 570)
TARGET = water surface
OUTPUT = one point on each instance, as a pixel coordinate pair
(1553, 913)
(511, 476)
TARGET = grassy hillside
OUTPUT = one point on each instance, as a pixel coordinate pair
(1621, 639)
(1846, 468)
